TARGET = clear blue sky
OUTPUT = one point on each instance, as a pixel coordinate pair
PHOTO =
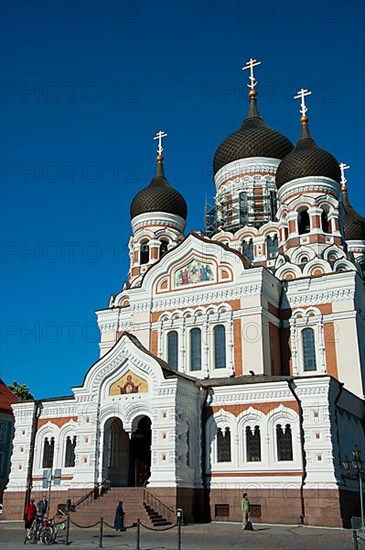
(107, 75)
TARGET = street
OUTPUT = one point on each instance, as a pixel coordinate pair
(195, 537)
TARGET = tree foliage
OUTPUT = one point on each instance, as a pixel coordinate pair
(21, 391)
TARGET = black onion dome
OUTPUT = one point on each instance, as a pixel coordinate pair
(159, 196)
(253, 139)
(354, 225)
(307, 159)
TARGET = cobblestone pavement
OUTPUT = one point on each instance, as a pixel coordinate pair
(220, 536)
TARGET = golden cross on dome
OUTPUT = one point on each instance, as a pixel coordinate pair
(343, 167)
(301, 95)
(250, 64)
(160, 135)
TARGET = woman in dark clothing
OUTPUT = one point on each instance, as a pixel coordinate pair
(119, 517)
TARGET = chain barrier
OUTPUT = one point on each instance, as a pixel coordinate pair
(84, 526)
(160, 529)
(137, 525)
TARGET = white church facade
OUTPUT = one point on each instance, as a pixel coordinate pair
(232, 359)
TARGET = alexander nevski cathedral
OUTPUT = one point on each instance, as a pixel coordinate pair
(232, 359)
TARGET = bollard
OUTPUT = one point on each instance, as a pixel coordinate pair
(354, 537)
(138, 547)
(101, 533)
(68, 530)
(179, 519)
(178, 533)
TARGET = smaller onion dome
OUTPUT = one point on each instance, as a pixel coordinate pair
(159, 196)
(253, 139)
(354, 226)
(307, 159)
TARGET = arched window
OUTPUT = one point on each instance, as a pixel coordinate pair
(173, 349)
(70, 452)
(284, 442)
(224, 445)
(325, 222)
(195, 349)
(309, 350)
(48, 452)
(145, 252)
(272, 246)
(273, 205)
(243, 208)
(247, 249)
(163, 247)
(219, 333)
(303, 222)
(253, 444)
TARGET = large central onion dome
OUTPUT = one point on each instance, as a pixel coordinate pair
(159, 196)
(307, 159)
(253, 139)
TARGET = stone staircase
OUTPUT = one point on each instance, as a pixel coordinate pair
(90, 511)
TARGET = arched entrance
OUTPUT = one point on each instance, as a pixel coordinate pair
(116, 453)
(127, 457)
(140, 454)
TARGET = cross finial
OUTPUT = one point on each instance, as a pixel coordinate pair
(301, 95)
(343, 167)
(250, 64)
(160, 134)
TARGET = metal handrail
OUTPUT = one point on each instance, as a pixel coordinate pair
(94, 492)
(159, 506)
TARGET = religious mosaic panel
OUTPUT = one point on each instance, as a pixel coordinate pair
(129, 383)
(196, 271)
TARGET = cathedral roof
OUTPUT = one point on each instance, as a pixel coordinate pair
(354, 226)
(253, 139)
(307, 159)
(159, 196)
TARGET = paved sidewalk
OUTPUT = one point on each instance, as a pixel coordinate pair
(197, 537)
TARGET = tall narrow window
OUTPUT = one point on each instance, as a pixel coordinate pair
(325, 222)
(224, 445)
(243, 208)
(195, 349)
(247, 249)
(163, 247)
(219, 333)
(253, 444)
(309, 350)
(70, 451)
(303, 222)
(272, 246)
(284, 442)
(173, 349)
(48, 452)
(145, 252)
(273, 205)
(188, 446)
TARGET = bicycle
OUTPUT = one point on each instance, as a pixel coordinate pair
(48, 532)
(33, 534)
(43, 530)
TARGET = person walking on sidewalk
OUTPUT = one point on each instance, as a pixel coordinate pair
(245, 507)
(119, 517)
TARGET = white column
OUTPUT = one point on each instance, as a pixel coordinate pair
(182, 347)
(205, 347)
(160, 350)
(230, 351)
(321, 346)
(294, 346)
